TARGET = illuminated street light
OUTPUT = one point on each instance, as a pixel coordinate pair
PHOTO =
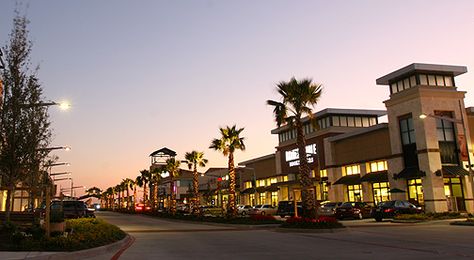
(66, 148)
(60, 173)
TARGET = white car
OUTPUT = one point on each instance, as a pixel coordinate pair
(265, 209)
(243, 209)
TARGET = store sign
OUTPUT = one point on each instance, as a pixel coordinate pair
(292, 156)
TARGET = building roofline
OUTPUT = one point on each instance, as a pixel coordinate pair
(358, 132)
(421, 67)
(337, 111)
(265, 157)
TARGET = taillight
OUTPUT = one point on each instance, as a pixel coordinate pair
(138, 208)
(388, 210)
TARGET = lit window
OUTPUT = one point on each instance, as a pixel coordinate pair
(365, 122)
(358, 121)
(343, 120)
(335, 121)
(376, 166)
(393, 87)
(273, 180)
(351, 169)
(323, 173)
(350, 121)
(354, 193)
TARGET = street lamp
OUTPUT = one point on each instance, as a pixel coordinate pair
(63, 105)
(60, 173)
(65, 148)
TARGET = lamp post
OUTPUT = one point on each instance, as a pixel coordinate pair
(48, 190)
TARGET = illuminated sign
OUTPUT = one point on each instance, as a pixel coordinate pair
(292, 156)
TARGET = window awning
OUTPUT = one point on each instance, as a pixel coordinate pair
(410, 173)
(248, 191)
(381, 176)
(353, 179)
(455, 170)
(261, 189)
(272, 188)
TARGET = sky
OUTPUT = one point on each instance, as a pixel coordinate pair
(142, 75)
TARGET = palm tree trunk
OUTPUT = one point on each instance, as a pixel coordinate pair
(195, 191)
(172, 198)
(128, 199)
(134, 194)
(145, 192)
(8, 204)
(304, 171)
(232, 210)
(155, 195)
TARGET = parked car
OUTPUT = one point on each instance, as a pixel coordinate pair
(287, 208)
(211, 210)
(183, 208)
(264, 209)
(243, 209)
(72, 209)
(142, 207)
(328, 208)
(356, 210)
(389, 209)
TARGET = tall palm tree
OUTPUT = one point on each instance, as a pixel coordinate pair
(228, 143)
(155, 179)
(172, 166)
(145, 178)
(298, 99)
(110, 193)
(126, 185)
(193, 160)
(117, 190)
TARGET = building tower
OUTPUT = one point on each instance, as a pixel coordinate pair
(429, 137)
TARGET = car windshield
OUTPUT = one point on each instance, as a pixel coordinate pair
(257, 206)
(329, 204)
(386, 203)
(348, 204)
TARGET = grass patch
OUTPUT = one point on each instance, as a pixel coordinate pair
(82, 234)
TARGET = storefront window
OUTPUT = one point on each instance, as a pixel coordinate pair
(252, 200)
(323, 173)
(274, 198)
(262, 198)
(380, 191)
(354, 193)
(415, 192)
(453, 188)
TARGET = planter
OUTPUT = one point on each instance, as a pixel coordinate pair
(57, 226)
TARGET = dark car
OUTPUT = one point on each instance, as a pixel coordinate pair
(389, 209)
(356, 210)
(72, 209)
(287, 208)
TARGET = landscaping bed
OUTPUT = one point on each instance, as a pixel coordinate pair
(309, 223)
(80, 234)
(427, 216)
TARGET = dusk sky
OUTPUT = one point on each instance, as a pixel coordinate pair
(142, 75)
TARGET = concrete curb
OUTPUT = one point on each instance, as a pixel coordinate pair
(309, 230)
(462, 223)
(81, 254)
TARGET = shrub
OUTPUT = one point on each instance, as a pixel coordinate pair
(262, 217)
(312, 223)
(84, 233)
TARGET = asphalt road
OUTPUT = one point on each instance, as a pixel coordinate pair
(366, 239)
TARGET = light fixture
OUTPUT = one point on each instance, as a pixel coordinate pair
(423, 116)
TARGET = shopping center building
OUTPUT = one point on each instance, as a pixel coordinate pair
(422, 154)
